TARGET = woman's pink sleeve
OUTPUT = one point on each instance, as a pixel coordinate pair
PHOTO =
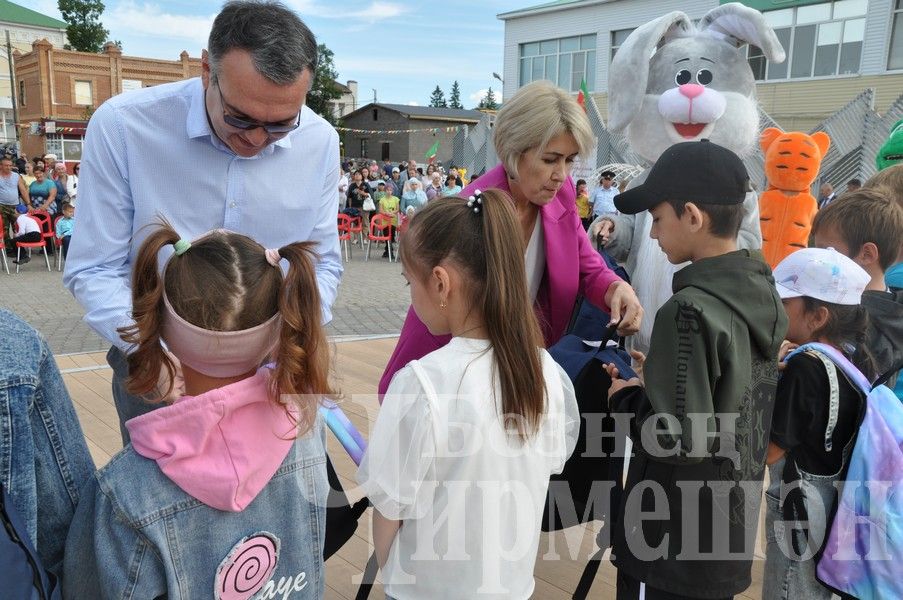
(415, 342)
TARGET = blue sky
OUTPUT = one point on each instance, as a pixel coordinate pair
(400, 48)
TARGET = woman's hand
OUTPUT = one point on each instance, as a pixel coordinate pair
(618, 384)
(625, 307)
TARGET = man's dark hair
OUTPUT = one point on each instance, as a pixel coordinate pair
(581, 182)
(279, 42)
(724, 219)
(855, 181)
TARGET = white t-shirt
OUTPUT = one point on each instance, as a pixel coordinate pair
(26, 225)
(470, 495)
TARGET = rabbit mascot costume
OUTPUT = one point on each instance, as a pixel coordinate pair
(670, 82)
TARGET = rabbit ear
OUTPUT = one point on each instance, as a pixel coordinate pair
(737, 25)
(630, 67)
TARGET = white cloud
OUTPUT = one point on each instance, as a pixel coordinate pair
(413, 103)
(150, 20)
(478, 95)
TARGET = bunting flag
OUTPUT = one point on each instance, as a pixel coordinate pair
(582, 94)
(432, 152)
(390, 131)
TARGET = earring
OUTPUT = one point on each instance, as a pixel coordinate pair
(442, 304)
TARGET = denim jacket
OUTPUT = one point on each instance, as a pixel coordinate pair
(147, 527)
(44, 459)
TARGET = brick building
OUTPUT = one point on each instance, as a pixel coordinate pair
(398, 132)
(57, 90)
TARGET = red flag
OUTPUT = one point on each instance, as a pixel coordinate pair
(582, 94)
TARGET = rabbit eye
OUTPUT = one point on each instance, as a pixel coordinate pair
(704, 77)
(683, 77)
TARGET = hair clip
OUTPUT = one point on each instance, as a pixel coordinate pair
(273, 256)
(475, 201)
(182, 246)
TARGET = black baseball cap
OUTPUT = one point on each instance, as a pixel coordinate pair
(701, 172)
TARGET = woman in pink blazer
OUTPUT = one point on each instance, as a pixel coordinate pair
(537, 135)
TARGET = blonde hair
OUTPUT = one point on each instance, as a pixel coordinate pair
(538, 112)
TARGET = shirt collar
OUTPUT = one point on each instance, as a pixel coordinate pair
(197, 125)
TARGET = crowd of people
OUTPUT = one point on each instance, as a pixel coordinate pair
(218, 394)
(43, 186)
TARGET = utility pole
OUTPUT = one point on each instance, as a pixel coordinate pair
(12, 84)
(374, 95)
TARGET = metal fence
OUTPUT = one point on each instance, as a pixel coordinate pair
(857, 131)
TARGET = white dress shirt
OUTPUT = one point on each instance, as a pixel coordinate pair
(151, 153)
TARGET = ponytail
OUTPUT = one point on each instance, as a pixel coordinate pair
(509, 318)
(148, 356)
(846, 329)
(302, 360)
(483, 238)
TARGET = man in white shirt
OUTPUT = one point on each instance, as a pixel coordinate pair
(603, 200)
(207, 153)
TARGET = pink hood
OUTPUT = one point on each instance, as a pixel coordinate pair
(223, 446)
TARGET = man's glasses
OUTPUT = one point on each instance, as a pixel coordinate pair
(245, 125)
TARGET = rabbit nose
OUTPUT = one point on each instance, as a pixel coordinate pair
(691, 90)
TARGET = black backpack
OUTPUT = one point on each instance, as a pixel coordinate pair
(21, 571)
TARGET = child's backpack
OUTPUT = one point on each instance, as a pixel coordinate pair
(863, 550)
(21, 571)
(589, 487)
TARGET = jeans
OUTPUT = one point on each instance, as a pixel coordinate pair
(44, 460)
(128, 406)
(788, 576)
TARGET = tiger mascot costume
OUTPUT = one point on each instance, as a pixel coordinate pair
(787, 208)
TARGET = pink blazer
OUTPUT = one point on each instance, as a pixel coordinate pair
(572, 267)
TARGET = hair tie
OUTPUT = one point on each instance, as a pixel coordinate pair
(182, 246)
(475, 201)
(273, 256)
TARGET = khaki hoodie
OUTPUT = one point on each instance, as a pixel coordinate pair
(713, 352)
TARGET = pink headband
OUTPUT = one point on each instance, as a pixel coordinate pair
(219, 353)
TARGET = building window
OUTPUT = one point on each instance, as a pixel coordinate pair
(83, 94)
(364, 148)
(895, 55)
(565, 62)
(375, 114)
(821, 40)
(21, 92)
(618, 38)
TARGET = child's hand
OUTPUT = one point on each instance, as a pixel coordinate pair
(639, 361)
(786, 348)
(618, 384)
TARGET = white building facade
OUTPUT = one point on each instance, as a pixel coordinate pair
(834, 49)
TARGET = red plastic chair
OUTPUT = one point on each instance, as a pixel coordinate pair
(3, 244)
(380, 231)
(58, 244)
(344, 225)
(43, 220)
(357, 228)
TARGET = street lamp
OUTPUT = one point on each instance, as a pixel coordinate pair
(499, 77)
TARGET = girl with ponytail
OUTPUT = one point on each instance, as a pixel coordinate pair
(459, 460)
(225, 489)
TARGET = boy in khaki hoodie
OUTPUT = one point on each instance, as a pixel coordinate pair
(700, 421)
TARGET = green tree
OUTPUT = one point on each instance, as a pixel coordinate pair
(488, 102)
(437, 99)
(84, 30)
(323, 90)
(454, 99)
